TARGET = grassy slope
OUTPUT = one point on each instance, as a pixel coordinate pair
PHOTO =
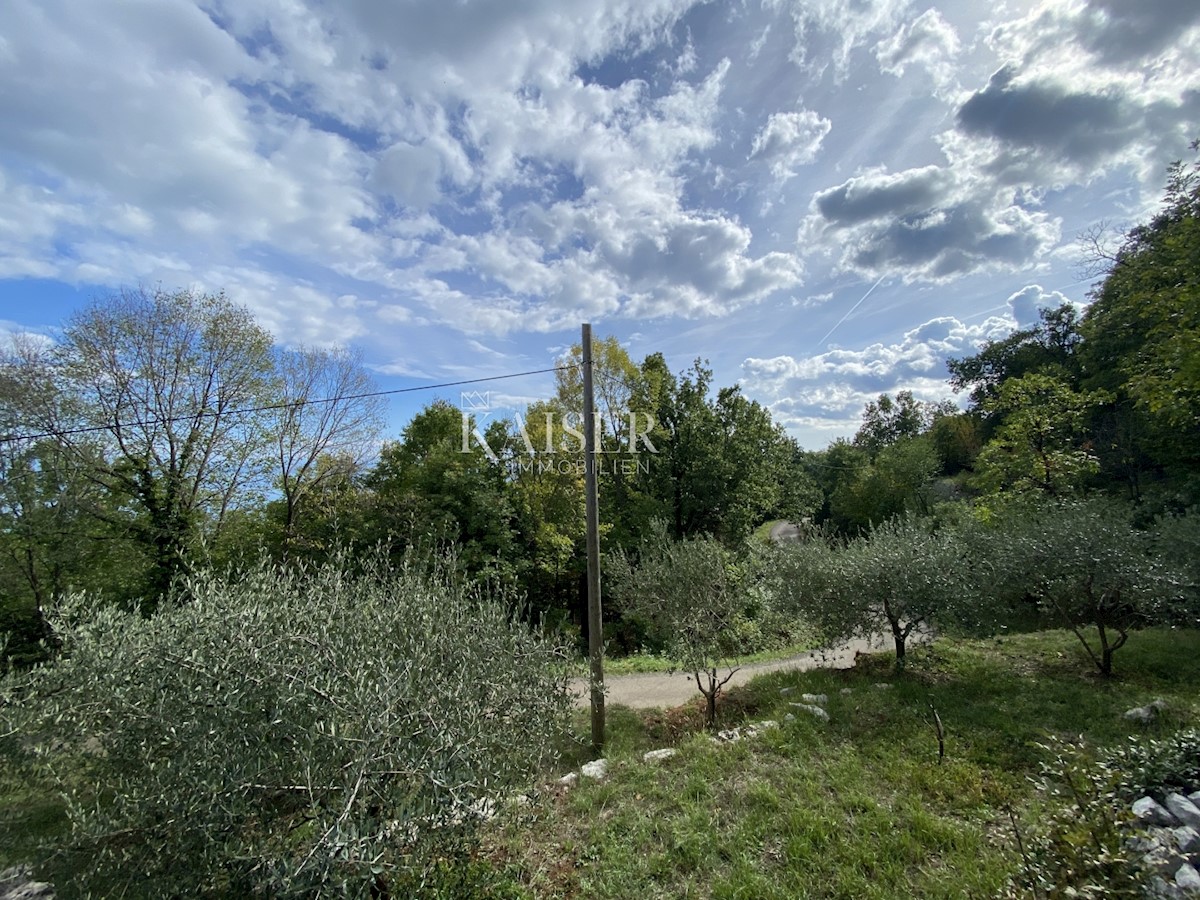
(858, 807)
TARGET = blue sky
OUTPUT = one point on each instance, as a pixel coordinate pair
(453, 187)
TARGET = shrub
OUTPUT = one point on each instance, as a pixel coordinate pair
(1082, 848)
(289, 733)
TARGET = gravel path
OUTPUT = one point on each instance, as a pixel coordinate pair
(665, 690)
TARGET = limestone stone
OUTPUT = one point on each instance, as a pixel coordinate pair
(1188, 878)
(1143, 714)
(1186, 838)
(812, 710)
(1150, 812)
(1183, 809)
(818, 699)
(16, 884)
(658, 755)
(597, 769)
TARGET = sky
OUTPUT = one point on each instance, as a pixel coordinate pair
(824, 199)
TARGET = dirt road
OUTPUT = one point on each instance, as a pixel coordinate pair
(660, 689)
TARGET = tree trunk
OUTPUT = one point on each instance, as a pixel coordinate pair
(899, 635)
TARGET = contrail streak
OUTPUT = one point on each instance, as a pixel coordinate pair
(851, 312)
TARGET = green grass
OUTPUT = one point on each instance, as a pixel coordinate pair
(858, 807)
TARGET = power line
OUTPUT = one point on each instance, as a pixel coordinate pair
(204, 414)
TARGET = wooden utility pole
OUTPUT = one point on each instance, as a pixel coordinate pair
(592, 514)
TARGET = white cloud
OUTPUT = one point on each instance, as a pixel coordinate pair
(928, 41)
(789, 140)
(828, 391)
(831, 30)
(930, 223)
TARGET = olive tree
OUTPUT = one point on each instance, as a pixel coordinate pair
(1086, 568)
(899, 578)
(691, 592)
(287, 733)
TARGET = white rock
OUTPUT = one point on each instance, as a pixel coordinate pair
(15, 885)
(1149, 811)
(730, 735)
(764, 725)
(1160, 888)
(1187, 839)
(818, 699)
(883, 686)
(483, 808)
(787, 690)
(1194, 796)
(1188, 878)
(1158, 704)
(1183, 809)
(658, 755)
(1141, 714)
(569, 779)
(597, 769)
(811, 710)
(789, 718)
(845, 692)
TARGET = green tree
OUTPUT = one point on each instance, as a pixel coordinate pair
(886, 421)
(1142, 332)
(957, 438)
(434, 487)
(899, 578)
(723, 465)
(325, 424)
(689, 591)
(1049, 348)
(143, 388)
(1086, 568)
(899, 480)
(1043, 444)
(548, 501)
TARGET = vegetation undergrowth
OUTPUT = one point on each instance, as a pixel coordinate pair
(856, 807)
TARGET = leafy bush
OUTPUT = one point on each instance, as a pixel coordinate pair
(1179, 544)
(1078, 848)
(289, 733)
(1082, 848)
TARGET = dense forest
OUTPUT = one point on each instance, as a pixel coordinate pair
(165, 432)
